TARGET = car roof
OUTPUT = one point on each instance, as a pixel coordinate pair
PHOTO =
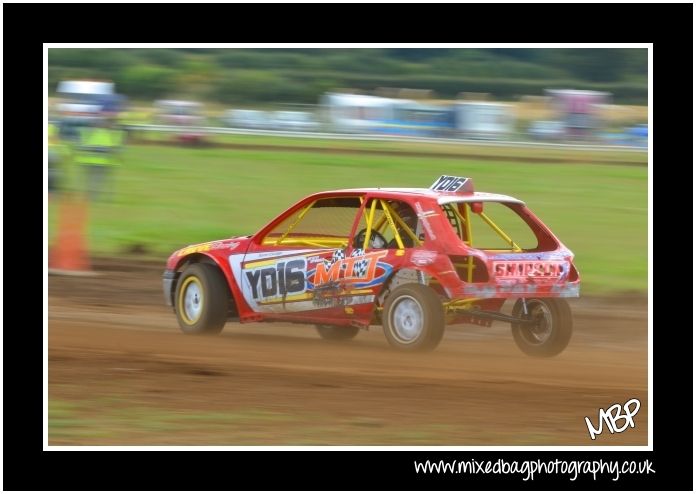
(440, 197)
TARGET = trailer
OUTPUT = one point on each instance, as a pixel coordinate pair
(356, 113)
(579, 111)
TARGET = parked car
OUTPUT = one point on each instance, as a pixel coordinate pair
(630, 136)
(298, 121)
(247, 119)
(638, 135)
(546, 130)
(412, 260)
(188, 115)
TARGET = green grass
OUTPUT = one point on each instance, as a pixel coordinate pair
(100, 421)
(638, 158)
(107, 421)
(171, 196)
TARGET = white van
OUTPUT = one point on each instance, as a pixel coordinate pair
(484, 120)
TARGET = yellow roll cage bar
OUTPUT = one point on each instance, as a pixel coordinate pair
(391, 218)
(388, 217)
(465, 219)
(294, 223)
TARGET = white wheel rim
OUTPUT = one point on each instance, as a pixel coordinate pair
(193, 301)
(406, 319)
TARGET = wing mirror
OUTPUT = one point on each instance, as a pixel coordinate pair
(476, 207)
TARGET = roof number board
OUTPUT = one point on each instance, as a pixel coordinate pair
(447, 183)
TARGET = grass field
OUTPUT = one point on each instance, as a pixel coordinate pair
(167, 197)
(440, 149)
(108, 420)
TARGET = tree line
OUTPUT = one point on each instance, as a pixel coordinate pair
(251, 76)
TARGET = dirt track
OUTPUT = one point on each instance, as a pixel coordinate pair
(120, 372)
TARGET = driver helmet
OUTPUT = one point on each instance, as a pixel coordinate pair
(406, 214)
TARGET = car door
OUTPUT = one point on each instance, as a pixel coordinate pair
(386, 230)
(286, 274)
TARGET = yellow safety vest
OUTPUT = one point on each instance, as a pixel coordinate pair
(53, 138)
(98, 146)
(55, 146)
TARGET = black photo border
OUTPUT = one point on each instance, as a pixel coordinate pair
(28, 26)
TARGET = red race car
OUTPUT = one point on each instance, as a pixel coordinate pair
(412, 260)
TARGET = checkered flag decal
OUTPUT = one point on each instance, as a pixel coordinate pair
(357, 253)
(360, 268)
(338, 255)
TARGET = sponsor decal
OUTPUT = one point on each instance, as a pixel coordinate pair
(362, 270)
(206, 247)
(311, 281)
(193, 249)
(529, 269)
(423, 257)
(231, 245)
(286, 277)
(423, 217)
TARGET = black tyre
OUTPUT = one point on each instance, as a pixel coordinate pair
(549, 329)
(337, 333)
(413, 318)
(202, 300)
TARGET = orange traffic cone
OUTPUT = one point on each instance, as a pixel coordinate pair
(68, 255)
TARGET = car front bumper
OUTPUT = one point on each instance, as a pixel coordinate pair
(168, 280)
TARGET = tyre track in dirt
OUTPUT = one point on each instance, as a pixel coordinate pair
(111, 338)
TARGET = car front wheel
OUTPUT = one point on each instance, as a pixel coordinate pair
(202, 299)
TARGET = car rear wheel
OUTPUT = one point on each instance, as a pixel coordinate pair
(549, 328)
(202, 300)
(337, 333)
(413, 318)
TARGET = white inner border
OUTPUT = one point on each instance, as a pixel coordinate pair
(47, 447)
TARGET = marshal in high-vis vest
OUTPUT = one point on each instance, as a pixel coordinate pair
(98, 153)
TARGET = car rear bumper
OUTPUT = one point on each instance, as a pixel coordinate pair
(517, 290)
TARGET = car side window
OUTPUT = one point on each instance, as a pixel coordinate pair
(324, 223)
(393, 225)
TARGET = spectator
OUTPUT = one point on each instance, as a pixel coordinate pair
(98, 154)
(56, 159)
